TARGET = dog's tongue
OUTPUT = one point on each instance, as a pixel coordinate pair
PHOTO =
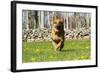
(57, 30)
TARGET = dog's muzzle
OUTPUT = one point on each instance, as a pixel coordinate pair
(59, 27)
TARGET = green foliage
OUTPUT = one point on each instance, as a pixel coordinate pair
(44, 51)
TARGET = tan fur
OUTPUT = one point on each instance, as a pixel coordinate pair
(57, 33)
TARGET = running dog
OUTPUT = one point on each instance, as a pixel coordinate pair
(57, 33)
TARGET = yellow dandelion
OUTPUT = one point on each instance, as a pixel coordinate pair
(82, 57)
(87, 47)
(38, 50)
(51, 57)
(33, 59)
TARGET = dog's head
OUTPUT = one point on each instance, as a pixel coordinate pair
(57, 23)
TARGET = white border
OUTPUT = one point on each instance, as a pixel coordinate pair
(36, 65)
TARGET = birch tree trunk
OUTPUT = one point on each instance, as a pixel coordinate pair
(48, 19)
(42, 19)
(87, 20)
(39, 18)
(27, 28)
(67, 21)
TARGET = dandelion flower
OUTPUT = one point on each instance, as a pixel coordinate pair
(87, 47)
(51, 57)
(33, 59)
(37, 50)
(82, 57)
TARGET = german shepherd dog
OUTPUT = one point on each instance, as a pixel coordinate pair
(57, 33)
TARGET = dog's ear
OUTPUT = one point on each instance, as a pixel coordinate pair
(57, 19)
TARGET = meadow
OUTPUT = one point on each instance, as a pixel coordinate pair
(44, 51)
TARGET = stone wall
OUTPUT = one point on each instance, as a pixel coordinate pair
(43, 34)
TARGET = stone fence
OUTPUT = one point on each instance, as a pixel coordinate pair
(43, 34)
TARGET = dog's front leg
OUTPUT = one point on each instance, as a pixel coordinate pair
(59, 45)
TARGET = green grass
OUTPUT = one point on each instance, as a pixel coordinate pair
(44, 51)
